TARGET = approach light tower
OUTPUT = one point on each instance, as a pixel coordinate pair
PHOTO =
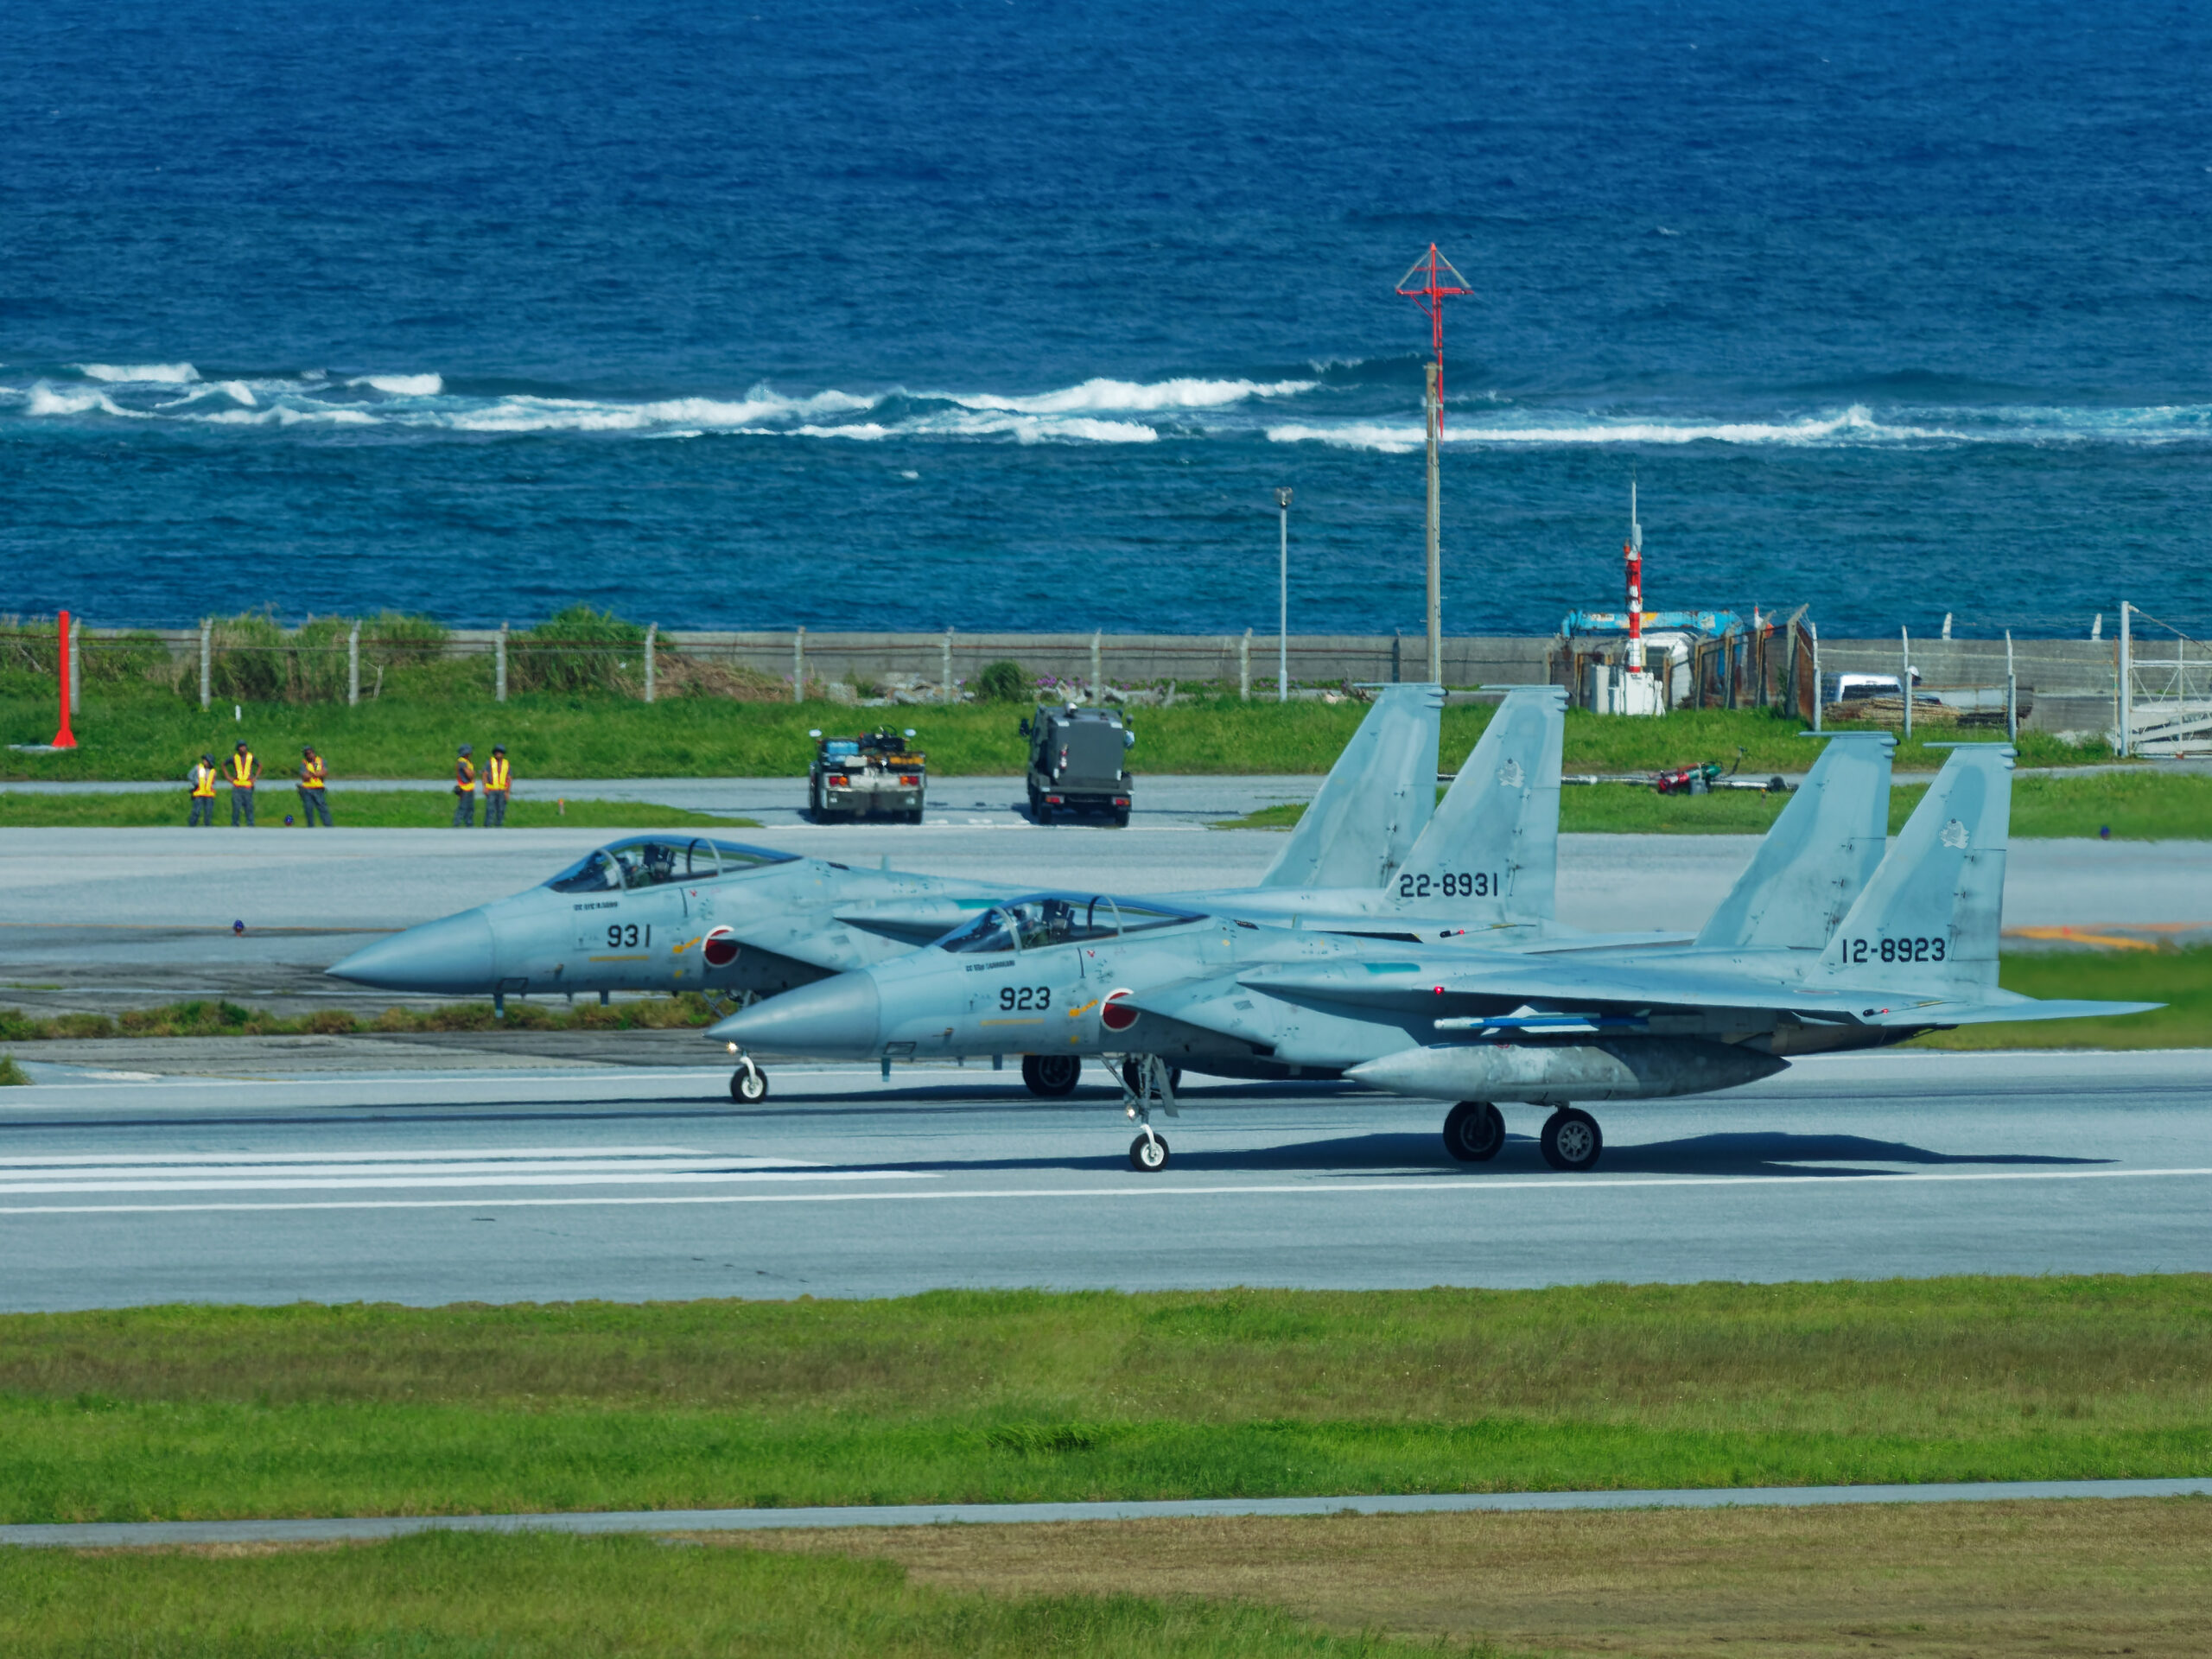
(1634, 549)
(1430, 282)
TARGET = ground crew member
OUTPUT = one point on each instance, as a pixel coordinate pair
(244, 771)
(464, 787)
(314, 796)
(203, 793)
(498, 775)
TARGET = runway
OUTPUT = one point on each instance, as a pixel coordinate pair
(105, 919)
(632, 1184)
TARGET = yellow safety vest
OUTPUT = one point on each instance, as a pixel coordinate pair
(242, 770)
(312, 772)
(203, 781)
(496, 773)
(464, 777)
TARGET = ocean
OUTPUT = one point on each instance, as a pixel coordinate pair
(997, 315)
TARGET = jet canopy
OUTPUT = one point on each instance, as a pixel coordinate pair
(1044, 919)
(657, 860)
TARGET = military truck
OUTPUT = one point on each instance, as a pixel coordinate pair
(1075, 763)
(878, 775)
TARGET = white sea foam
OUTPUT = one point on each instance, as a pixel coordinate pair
(1855, 425)
(402, 386)
(165, 374)
(45, 400)
(1097, 395)
(239, 391)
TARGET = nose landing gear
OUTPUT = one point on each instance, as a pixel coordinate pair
(748, 1084)
(1146, 1081)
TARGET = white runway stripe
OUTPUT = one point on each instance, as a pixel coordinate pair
(383, 1155)
(291, 1181)
(1473, 1186)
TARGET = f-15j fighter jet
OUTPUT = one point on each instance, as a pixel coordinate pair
(676, 913)
(1808, 953)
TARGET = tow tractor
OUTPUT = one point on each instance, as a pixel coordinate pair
(878, 775)
(1704, 778)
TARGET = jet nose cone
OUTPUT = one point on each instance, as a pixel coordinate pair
(452, 956)
(831, 1018)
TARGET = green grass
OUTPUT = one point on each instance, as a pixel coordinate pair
(12, 1075)
(538, 1597)
(196, 1412)
(351, 808)
(2134, 805)
(2180, 979)
(125, 733)
(684, 1010)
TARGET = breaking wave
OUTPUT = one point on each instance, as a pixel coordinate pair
(1346, 406)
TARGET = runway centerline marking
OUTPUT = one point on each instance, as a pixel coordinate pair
(1565, 1184)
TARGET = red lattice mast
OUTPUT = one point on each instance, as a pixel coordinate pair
(1437, 282)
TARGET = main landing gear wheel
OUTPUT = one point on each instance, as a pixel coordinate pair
(1147, 1153)
(1133, 1074)
(1570, 1142)
(1473, 1131)
(748, 1085)
(1050, 1076)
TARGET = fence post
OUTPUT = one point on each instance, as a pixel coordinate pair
(2011, 693)
(1095, 673)
(947, 693)
(2126, 681)
(799, 666)
(1397, 656)
(652, 629)
(353, 665)
(76, 662)
(1904, 679)
(1244, 667)
(500, 665)
(1816, 634)
(206, 663)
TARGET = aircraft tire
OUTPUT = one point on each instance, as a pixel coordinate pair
(1051, 1077)
(748, 1085)
(1474, 1131)
(1570, 1142)
(1147, 1155)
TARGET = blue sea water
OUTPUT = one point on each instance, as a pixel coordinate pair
(996, 315)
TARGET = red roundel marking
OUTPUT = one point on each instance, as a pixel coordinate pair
(720, 949)
(1115, 1013)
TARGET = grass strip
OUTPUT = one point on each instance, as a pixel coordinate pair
(530, 1596)
(223, 1018)
(2130, 805)
(350, 809)
(560, 735)
(183, 1413)
(2180, 979)
(1961, 1578)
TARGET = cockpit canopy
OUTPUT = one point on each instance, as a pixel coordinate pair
(657, 860)
(1044, 919)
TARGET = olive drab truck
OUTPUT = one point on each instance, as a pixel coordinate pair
(1076, 763)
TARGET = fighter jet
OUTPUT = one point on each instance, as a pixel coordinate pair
(676, 913)
(1914, 950)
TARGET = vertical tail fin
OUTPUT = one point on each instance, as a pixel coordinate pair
(1819, 856)
(1375, 802)
(1928, 921)
(1492, 852)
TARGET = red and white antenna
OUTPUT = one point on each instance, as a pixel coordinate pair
(1634, 549)
(1437, 282)
(1429, 283)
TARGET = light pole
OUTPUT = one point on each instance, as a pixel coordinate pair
(1282, 593)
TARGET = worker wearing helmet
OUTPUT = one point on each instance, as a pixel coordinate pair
(314, 777)
(497, 776)
(203, 793)
(464, 789)
(243, 771)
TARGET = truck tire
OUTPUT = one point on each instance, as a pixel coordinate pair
(1121, 817)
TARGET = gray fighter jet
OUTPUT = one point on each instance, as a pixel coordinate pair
(1807, 954)
(674, 912)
